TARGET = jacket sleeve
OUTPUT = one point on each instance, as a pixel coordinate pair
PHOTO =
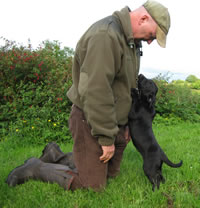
(101, 62)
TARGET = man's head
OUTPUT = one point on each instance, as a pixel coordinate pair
(151, 21)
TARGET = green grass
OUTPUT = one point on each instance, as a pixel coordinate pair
(130, 189)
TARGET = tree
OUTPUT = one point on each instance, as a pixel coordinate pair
(191, 79)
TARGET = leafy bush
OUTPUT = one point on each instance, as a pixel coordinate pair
(177, 101)
(196, 85)
(193, 81)
(33, 86)
(191, 78)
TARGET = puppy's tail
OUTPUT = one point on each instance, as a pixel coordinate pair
(169, 163)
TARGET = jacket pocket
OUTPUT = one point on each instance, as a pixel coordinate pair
(83, 84)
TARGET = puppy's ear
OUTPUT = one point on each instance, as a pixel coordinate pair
(151, 100)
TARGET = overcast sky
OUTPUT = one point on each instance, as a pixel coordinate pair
(66, 21)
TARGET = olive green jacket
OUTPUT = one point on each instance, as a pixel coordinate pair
(105, 68)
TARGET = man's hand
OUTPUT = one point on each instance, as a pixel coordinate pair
(127, 135)
(108, 152)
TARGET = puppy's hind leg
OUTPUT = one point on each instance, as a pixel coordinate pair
(152, 181)
(162, 179)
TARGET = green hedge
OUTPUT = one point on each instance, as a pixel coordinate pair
(33, 103)
(176, 102)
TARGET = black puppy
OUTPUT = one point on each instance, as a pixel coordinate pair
(140, 124)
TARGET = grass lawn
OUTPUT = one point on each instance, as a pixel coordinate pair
(130, 189)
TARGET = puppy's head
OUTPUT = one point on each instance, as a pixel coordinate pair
(147, 89)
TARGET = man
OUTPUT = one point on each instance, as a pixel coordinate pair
(106, 66)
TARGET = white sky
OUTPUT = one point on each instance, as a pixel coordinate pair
(66, 21)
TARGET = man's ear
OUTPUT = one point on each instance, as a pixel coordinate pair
(143, 19)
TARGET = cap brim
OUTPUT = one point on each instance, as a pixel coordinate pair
(161, 37)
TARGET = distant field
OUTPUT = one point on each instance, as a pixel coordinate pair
(198, 91)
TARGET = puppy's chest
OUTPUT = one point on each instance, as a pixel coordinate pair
(141, 114)
(140, 110)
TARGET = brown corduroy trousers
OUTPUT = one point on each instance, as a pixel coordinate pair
(91, 172)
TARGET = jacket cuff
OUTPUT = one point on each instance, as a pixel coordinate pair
(106, 141)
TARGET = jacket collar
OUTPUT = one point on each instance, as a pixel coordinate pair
(125, 21)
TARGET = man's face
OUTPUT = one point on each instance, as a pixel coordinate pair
(148, 30)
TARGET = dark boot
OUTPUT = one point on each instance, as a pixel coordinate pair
(38, 170)
(53, 154)
(68, 160)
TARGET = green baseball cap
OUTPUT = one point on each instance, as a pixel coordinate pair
(161, 16)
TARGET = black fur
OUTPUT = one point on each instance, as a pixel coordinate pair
(140, 125)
